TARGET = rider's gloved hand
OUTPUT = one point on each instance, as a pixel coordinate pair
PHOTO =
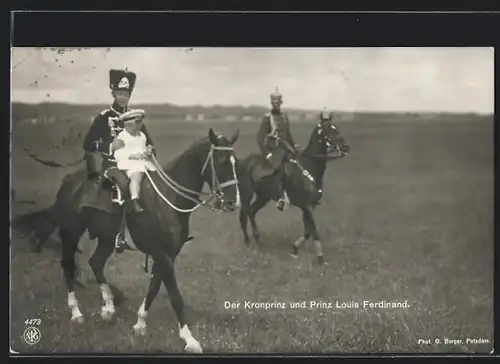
(269, 155)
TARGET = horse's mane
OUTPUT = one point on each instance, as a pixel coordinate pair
(313, 137)
(193, 147)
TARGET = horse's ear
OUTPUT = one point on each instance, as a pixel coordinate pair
(212, 137)
(234, 137)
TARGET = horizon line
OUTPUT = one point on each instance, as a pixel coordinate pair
(257, 106)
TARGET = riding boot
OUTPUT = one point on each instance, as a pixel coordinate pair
(136, 205)
(283, 200)
(94, 177)
(120, 243)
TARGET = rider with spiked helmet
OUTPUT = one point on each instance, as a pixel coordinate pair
(276, 142)
(326, 115)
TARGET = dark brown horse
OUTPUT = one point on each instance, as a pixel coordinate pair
(303, 183)
(169, 198)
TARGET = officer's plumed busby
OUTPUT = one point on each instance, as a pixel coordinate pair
(122, 80)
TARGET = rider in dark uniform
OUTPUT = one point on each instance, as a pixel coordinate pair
(100, 141)
(277, 143)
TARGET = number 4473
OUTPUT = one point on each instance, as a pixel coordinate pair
(33, 322)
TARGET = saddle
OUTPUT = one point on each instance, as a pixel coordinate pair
(266, 169)
(102, 194)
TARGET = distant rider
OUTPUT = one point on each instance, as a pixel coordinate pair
(276, 143)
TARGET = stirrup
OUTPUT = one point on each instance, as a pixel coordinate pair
(119, 239)
(121, 244)
(119, 199)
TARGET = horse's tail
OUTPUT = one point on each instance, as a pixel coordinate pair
(52, 163)
(39, 224)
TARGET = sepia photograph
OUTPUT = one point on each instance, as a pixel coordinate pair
(252, 200)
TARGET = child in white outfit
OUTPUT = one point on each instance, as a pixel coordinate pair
(133, 157)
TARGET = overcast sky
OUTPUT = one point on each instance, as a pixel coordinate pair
(380, 79)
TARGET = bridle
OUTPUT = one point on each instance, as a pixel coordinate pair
(327, 142)
(216, 185)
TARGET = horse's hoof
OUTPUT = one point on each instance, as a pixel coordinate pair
(194, 347)
(295, 252)
(139, 329)
(107, 314)
(78, 319)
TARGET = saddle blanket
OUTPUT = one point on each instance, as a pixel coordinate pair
(99, 197)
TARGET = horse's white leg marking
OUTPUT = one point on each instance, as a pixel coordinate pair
(296, 246)
(319, 250)
(299, 242)
(192, 345)
(76, 315)
(108, 309)
(140, 325)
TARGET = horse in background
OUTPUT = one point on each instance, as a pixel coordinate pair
(303, 183)
(169, 198)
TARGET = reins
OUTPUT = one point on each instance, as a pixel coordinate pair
(183, 191)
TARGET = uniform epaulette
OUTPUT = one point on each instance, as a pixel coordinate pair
(105, 111)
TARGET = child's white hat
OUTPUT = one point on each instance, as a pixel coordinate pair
(132, 116)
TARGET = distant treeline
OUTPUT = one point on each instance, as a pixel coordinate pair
(22, 111)
(62, 111)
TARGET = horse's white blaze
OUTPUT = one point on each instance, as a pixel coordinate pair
(192, 345)
(140, 325)
(109, 307)
(76, 315)
(233, 163)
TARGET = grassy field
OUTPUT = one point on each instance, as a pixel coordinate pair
(407, 216)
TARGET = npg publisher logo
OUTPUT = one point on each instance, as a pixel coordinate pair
(32, 335)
